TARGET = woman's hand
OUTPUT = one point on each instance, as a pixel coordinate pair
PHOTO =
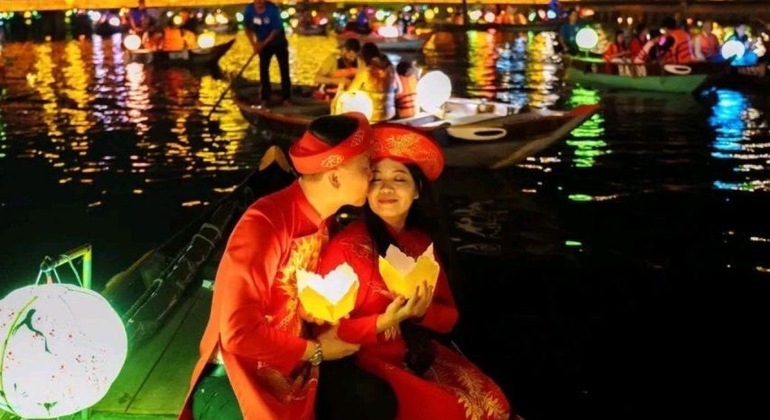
(402, 309)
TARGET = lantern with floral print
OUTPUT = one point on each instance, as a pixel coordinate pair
(61, 347)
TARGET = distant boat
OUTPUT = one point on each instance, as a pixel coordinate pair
(502, 27)
(473, 133)
(653, 77)
(403, 43)
(191, 57)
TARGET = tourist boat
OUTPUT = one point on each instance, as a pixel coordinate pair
(501, 27)
(473, 133)
(757, 74)
(164, 300)
(402, 43)
(311, 30)
(191, 57)
(654, 77)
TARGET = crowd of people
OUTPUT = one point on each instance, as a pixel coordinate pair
(671, 43)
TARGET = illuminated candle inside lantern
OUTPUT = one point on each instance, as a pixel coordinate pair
(329, 297)
(403, 273)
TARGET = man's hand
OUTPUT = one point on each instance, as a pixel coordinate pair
(258, 47)
(332, 347)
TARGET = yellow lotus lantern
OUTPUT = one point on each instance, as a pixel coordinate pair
(403, 273)
(330, 297)
(354, 100)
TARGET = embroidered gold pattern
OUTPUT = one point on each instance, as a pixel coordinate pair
(304, 255)
(468, 386)
(357, 138)
(392, 333)
(287, 389)
(403, 145)
(331, 161)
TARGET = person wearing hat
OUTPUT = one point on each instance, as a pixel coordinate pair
(257, 362)
(339, 69)
(429, 379)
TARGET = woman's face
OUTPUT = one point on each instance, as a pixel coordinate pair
(391, 192)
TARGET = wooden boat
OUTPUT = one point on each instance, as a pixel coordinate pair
(654, 77)
(502, 27)
(758, 74)
(164, 299)
(472, 132)
(192, 57)
(311, 30)
(403, 43)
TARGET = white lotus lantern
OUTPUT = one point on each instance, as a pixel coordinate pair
(402, 273)
(355, 101)
(132, 42)
(329, 297)
(206, 40)
(433, 90)
(62, 347)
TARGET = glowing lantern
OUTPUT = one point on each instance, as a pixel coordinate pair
(586, 38)
(733, 48)
(489, 17)
(433, 90)
(206, 40)
(222, 19)
(132, 42)
(388, 31)
(331, 297)
(177, 20)
(402, 273)
(62, 347)
(355, 100)
(114, 21)
(210, 20)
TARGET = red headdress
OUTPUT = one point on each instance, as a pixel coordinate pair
(311, 155)
(408, 145)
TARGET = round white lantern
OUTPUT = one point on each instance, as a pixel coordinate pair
(206, 40)
(61, 346)
(733, 48)
(433, 90)
(132, 42)
(355, 100)
(586, 38)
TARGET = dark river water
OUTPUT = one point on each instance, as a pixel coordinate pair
(623, 273)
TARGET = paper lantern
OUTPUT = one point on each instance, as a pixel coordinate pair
(433, 90)
(206, 40)
(330, 297)
(61, 345)
(733, 48)
(586, 38)
(403, 273)
(132, 42)
(388, 31)
(355, 100)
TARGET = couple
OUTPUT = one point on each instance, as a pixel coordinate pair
(258, 358)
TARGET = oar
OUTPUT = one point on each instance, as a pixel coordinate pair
(238, 76)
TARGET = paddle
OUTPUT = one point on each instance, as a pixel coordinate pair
(230, 86)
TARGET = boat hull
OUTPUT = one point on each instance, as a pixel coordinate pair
(193, 57)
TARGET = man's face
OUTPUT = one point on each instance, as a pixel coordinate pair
(707, 26)
(353, 177)
(141, 5)
(740, 29)
(349, 55)
(259, 3)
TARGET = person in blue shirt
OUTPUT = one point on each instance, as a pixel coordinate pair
(568, 32)
(138, 19)
(264, 29)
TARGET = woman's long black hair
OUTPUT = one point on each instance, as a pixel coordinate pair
(424, 215)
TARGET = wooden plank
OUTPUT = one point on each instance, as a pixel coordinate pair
(140, 362)
(166, 387)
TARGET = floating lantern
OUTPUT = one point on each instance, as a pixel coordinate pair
(733, 48)
(206, 40)
(586, 38)
(132, 42)
(433, 90)
(355, 100)
(402, 273)
(210, 20)
(330, 297)
(62, 347)
(114, 21)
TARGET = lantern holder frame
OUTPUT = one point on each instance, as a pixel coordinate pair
(49, 265)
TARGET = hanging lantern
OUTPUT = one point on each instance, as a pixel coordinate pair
(62, 347)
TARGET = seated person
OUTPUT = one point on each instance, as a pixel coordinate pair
(706, 44)
(379, 80)
(177, 39)
(616, 51)
(749, 57)
(339, 69)
(429, 379)
(655, 48)
(406, 105)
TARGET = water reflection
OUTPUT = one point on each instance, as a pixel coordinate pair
(588, 139)
(742, 139)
